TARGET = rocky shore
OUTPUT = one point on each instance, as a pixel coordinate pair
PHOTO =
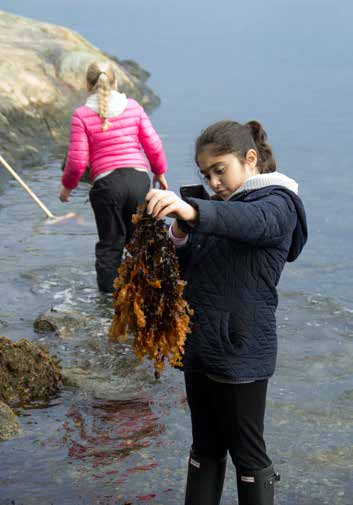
(42, 81)
(32, 374)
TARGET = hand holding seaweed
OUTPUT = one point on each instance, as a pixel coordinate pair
(148, 296)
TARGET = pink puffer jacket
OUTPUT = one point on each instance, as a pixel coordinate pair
(119, 146)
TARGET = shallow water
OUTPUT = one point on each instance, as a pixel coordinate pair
(119, 442)
(85, 450)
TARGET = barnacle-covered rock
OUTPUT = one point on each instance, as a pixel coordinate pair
(148, 296)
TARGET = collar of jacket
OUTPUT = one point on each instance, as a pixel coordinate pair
(255, 194)
(261, 181)
(117, 103)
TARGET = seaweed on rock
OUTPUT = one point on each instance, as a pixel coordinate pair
(27, 372)
(148, 297)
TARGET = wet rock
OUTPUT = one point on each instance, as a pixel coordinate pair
(42, 79)
(27, 372)
(3, 324)
(62, 323)
(347, 395)
(130, 383)
(9, 425)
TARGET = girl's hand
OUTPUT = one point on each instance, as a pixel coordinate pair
(160, 180)
(64, 194)
(162, 203)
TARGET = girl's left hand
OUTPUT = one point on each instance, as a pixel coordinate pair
(64, 194)
(160, 180)
(162, 203)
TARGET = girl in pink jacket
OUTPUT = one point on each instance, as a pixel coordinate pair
(113, 135)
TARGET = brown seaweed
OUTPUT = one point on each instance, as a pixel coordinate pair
(148, 297)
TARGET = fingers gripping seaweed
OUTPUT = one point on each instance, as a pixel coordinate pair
(148, 297)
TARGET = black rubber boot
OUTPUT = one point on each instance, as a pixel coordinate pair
(205, 480)
(256, 487)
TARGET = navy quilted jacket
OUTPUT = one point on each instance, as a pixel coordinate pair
(232, 263)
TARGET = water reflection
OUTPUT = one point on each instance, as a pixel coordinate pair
(102, 433)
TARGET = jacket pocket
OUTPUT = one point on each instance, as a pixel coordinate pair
(210, 331)
(242, 328)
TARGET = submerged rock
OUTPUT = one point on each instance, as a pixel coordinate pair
(62, 323)
(9, 425)
(27, 372)
(42, 79)
(101, 384)
(341, 456)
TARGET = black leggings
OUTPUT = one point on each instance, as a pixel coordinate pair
(114, 199)
(228, 417)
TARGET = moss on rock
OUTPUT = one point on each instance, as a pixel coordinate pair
(27, 372)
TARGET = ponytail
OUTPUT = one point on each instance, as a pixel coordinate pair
(101, 78)
(266, 162)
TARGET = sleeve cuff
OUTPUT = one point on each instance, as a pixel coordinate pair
(178, 241)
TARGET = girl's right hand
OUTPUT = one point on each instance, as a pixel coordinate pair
(64, 194)
(162, 203)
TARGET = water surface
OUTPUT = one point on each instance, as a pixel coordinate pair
(287, 64)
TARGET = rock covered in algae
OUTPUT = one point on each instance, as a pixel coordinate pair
(27, 372)
(9, 425)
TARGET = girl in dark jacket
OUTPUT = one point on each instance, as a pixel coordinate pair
(232, 249)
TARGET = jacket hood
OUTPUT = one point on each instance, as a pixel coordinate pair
(300, 233)
(274, 182)
(117, 103)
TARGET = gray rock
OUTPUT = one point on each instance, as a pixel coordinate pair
(9, 425)
(42, 79)
(61, 323)
(3, 324)
(136, 70)
(131, 383)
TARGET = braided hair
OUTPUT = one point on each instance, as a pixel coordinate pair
(101, 79)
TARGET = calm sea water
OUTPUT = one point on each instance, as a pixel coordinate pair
(288, 64)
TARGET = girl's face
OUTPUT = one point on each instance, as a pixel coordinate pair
(225, 173)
